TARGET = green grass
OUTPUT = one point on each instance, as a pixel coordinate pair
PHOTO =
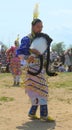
(5, 79)
(62, 80)
(2, 75)
(6, 99)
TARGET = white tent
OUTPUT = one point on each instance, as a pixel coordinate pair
(1, 43)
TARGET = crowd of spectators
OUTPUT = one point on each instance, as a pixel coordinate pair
(58, 62)
(61, 62)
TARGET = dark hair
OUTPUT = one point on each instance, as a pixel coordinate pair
(35, 21)
(16, 42)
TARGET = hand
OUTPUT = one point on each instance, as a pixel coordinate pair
(35, 51)
(30, 59)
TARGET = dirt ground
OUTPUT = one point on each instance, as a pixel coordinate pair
(14, 114)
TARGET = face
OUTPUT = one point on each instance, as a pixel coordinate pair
(37, 28)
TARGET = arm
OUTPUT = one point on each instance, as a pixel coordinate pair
(24, 47)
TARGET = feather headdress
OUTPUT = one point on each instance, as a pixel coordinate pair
(35, 12)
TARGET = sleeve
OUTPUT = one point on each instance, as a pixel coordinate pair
(24, 47)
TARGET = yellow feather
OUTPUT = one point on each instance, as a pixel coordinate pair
(36, 12)
(17, 39)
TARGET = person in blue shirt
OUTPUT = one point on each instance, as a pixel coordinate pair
(36, 86)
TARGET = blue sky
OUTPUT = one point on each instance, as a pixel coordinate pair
(16, 17)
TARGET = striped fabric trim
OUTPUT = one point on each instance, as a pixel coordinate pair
(38, 91)
(34, 68)
(40, 78)
(37, 82)
(38, 88)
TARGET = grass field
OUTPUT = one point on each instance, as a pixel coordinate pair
(15, 104)
(62, 80)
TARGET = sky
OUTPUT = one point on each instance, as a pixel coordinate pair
(16, 17)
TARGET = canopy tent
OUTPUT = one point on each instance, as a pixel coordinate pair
(1, 43)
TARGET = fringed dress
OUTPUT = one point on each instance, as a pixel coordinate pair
(36, 86)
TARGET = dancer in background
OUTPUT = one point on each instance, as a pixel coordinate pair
(14, 63)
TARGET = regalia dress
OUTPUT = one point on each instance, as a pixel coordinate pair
(35, 86)
(15, 65)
